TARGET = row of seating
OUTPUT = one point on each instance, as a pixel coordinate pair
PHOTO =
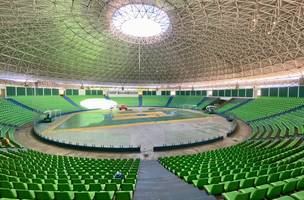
(254, 169)
(27, 174)
(265, 107)
(43, 103)
(14, 115)
(185, 101)
(288, 124)
(155, 101)
(230, 104)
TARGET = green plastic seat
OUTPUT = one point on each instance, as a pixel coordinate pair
(64, 195)
(228, 177)
(296, 172)
(245, 183)
(96, 187)
(123, 195)
(251, 174)
(6, 184)
(236, 196)
(214, 189)
(25, 180)
(273, 191)
(77, 181)
(89, 181)
(300, 185)
(21, 186)
(273, 177)
(65, 187)
(13, 179)
(103, 181)
(38, 180)
(239, 176)
(232, 186)
(104, 195)
(190, 178)
(130, 180)
(8, 193)
(26, 194)
(261, 180)
(256, 193)
(63, 181)
(44, 195)
(52, 181)
(214, 180)
(34, 186)
(200, 183)
(112, 187)
(298, 195)
(49, 187)
(84, 195)
(127, 187)
(290, 186)
(80, 187)
(285, 175)
(3, 177)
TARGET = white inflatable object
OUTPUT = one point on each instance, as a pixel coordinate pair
(103, 104)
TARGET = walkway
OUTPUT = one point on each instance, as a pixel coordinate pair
(156, 183)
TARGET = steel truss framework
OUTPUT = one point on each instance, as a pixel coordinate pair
(208, 40)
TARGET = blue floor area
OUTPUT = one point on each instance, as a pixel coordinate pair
(156, 183)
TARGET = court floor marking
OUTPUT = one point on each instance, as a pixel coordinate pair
(129, 125)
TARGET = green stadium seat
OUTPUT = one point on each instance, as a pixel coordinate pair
(127, 187)
(8, 193)
(84, 195)
(44, 195)
(256, 193)
(80, 187)
(261, 180)
(65, 187)
(200, 182)
(49, 187)
(214, 189)
(298, 195)
(21, 186)
(64, 195)
(290, 186)
(104, 195)
(26, 194)
(245, 183)
(273, 191)
(3, 177)
(34, 186)
(6, 184)
(236, 196)
(300, 185)
(123, 195)
(96, 187)
(112, 187)
(232, 186)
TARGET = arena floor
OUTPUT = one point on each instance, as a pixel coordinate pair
(145, 127)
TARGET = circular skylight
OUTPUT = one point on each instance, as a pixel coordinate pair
(141, 20)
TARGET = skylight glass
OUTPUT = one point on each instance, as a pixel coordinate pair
(141, 20)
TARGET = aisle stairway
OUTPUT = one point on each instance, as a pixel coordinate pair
(156, 183)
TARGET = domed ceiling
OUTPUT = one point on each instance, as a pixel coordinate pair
(182, 40)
